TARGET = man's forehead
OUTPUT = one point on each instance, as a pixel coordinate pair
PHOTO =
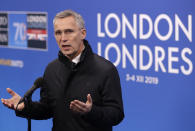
(69, 19)
(67, 22)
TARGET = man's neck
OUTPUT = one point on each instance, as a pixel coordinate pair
(78, 53)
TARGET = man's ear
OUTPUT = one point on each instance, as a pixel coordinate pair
(83, 33)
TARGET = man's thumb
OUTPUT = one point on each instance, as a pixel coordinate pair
(89, 99)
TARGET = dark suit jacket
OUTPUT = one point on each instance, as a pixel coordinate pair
(65, 82)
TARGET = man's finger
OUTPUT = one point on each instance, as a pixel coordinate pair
(78, 104)
(11, 92)
(89, 99)
(81, 104)
(2, 100)
(76, 107)
(6, 103)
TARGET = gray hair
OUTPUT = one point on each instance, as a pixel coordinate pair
(66, 13)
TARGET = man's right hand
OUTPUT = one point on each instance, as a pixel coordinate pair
(13, 101)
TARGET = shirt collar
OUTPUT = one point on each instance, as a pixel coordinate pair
(76, 60)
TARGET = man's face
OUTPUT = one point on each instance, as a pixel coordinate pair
(69, 36)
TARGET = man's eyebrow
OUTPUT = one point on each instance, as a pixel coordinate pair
(65, 30)
(56, 31)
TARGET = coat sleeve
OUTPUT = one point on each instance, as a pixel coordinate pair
(111, 112)
(37, 110)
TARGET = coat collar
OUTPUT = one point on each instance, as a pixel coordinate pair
(85, 53)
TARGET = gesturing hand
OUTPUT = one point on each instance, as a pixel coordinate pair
(80, 107)
(13, 101)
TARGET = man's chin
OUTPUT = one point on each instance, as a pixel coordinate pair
(67, 54)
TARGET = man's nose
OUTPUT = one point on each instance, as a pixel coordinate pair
(64, 37)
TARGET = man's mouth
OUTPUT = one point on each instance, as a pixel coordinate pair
(66, 47)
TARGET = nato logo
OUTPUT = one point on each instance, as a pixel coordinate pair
(17, 30)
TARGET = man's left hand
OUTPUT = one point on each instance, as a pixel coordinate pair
(81, 107)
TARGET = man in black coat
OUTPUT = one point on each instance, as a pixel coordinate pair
(81, 90)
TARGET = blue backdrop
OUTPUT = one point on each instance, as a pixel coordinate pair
(150, 42)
